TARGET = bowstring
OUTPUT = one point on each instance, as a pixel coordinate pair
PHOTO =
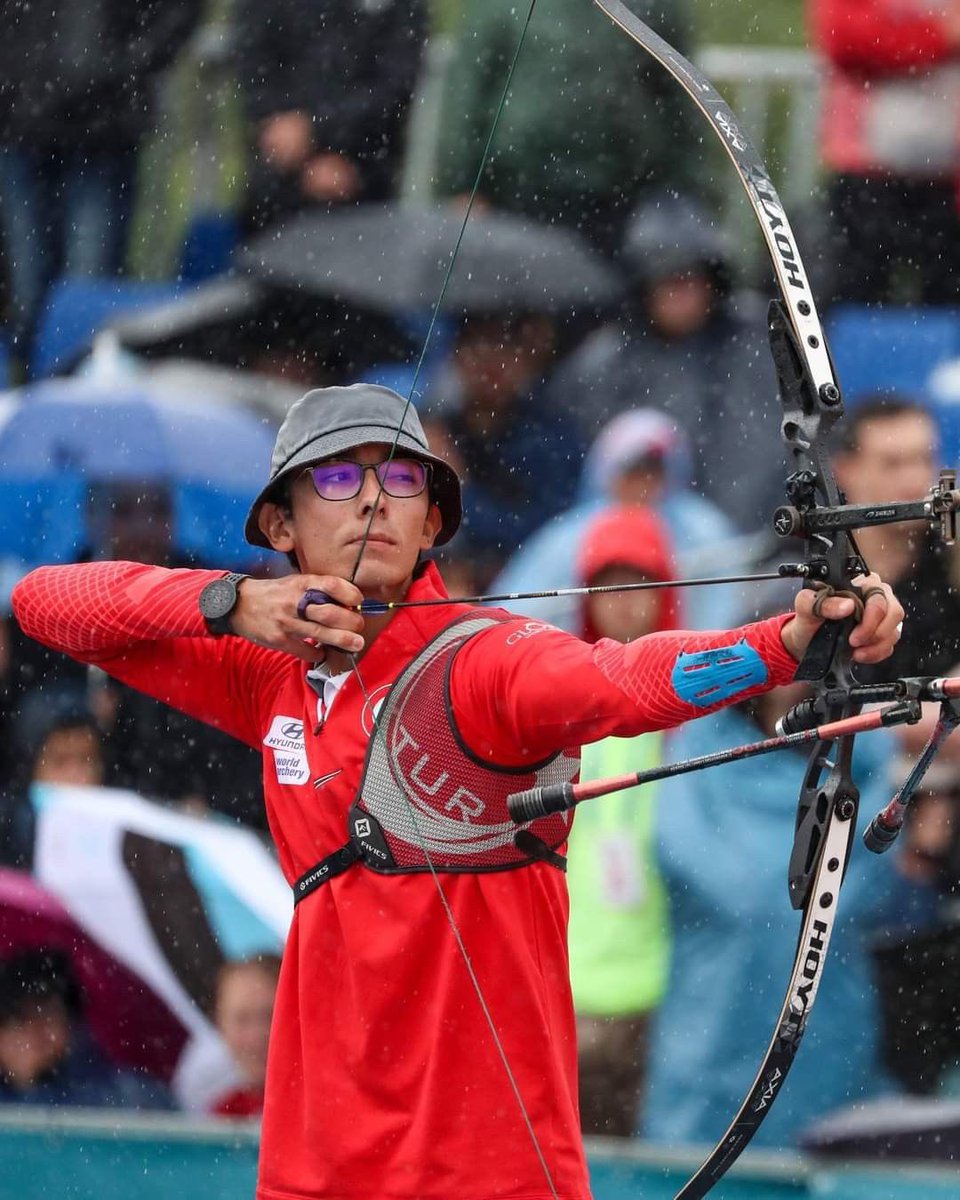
(355, 666)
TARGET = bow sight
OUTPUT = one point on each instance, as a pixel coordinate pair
(805, 518)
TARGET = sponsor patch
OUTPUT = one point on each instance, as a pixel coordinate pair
(285, 739)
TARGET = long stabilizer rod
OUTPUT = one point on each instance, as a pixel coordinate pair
(542, 801)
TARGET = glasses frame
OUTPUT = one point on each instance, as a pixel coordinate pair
(375, 467)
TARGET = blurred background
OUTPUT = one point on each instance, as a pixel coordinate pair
(208, 207)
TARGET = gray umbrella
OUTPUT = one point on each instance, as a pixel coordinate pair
(394, 257)
(232, 320)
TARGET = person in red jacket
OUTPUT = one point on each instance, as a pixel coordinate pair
(423, 1043)
(890, 132)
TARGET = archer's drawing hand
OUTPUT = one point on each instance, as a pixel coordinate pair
(267, 613)
(874, 636)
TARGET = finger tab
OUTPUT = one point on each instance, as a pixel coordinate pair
(311, 596)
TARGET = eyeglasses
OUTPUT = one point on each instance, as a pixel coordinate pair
(343, 479)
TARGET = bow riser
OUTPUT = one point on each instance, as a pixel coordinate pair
(811, 401)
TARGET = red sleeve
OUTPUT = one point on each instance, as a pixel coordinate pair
(523, 690)
(143, 626)
(873, 36)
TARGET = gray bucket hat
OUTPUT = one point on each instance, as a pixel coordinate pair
(332, 420)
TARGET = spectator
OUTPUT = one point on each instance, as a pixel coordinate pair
(326, 85)
(641, 457)
(888, 453)
(56, 740)
(890, 125)
(618, 933)
(75, 92)
(688, 344)
(723, 860)
(917, 953)
(490, 417)
(47, 1055)
(590, 125)
(243, 1009)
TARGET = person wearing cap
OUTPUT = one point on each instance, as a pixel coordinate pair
(391, 740)
(618, 935)
(640, 457)
(689, 343)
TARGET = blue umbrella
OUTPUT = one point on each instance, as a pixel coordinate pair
(60, 437)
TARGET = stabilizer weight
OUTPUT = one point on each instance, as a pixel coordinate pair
(880, 836)
(540, 802)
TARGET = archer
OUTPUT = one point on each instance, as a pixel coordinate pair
(390, 744)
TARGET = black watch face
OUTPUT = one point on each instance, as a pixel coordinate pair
(218, 598)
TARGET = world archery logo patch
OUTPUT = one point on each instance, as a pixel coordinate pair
(285, 739)
(707, 677)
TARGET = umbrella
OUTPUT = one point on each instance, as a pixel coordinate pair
(394, 257)
(170, 897)
(263, 394)
(59, 437)
(135, 1027)
(246, 322)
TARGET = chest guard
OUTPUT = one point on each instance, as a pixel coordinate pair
(422, 787)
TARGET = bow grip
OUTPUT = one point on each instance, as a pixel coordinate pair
(819, 657)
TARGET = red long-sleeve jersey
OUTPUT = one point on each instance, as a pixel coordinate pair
(383, 1079)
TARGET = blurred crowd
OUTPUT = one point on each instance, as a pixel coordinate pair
(612, 408)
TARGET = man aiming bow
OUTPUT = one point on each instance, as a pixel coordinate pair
(391, 740)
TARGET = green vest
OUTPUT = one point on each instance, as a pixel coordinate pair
(619, 929)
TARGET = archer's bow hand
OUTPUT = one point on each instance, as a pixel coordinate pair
(879, 618)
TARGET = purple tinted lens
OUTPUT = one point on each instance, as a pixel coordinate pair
(403, 476)
(400, 477)
(337, 480)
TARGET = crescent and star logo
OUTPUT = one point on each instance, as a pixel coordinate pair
(371, 708)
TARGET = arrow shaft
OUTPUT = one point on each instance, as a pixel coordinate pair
(786, 570)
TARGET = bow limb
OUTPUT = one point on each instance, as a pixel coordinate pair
(826, 819)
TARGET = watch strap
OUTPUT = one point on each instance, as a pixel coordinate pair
(219, 623)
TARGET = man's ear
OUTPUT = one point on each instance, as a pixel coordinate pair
(276, 525)
(431, 527)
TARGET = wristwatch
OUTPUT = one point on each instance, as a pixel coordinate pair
(218, 600)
